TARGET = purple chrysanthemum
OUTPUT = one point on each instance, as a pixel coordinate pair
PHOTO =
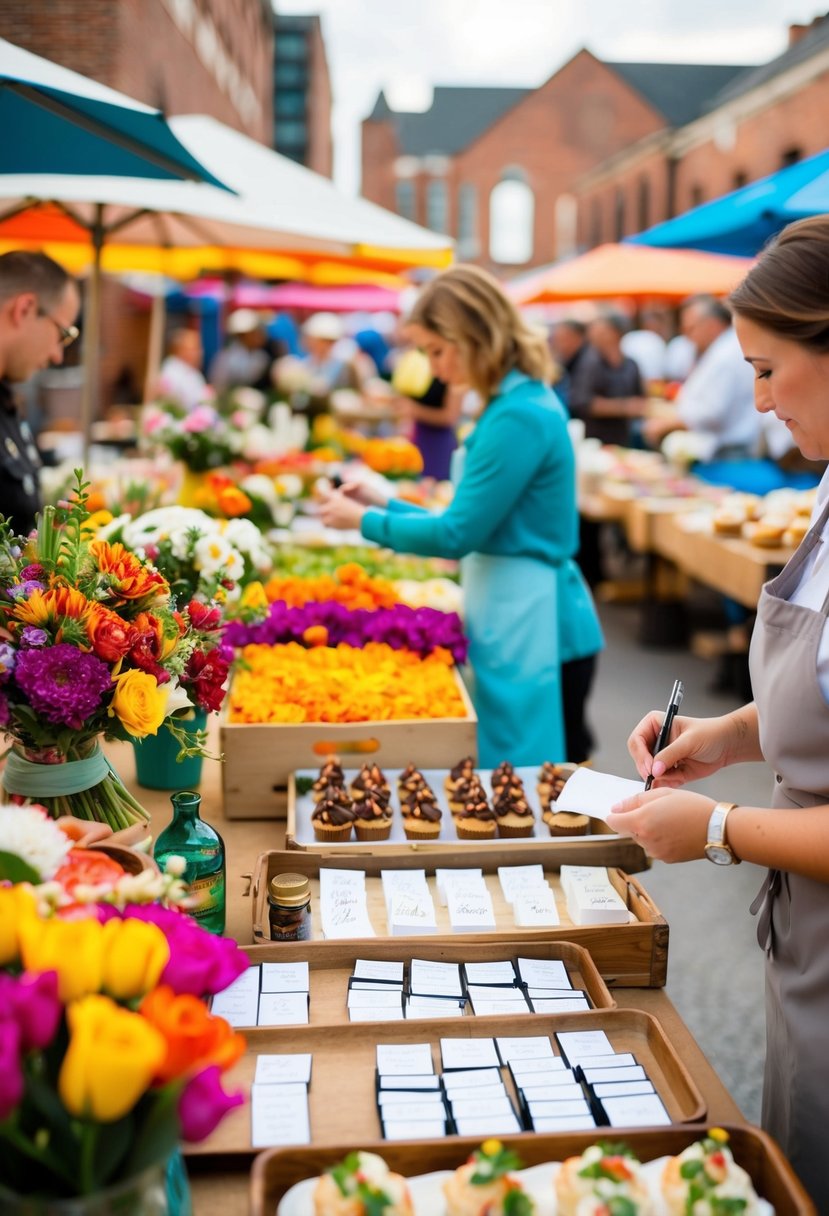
(62, 683)
(8, 656)
(22, 591)
(32, 636)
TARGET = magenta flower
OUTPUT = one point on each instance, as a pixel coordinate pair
(63, 684)
(203, 1104)
(34, 571)
(31, 1001)
(200, 962)
(5, 712)
(202, 418)
(11, 1074)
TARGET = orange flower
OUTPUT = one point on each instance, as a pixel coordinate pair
(233, 502)
(315, 635)
(88, 867)
(130, 580)
(194, 1037)
(150, 635)
(110, 636)
(51, 607)
(350, 585)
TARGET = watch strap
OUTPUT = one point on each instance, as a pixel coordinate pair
(717, 829)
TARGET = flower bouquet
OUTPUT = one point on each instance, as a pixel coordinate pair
(93, 645)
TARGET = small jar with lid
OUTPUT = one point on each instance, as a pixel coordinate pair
(289, 908)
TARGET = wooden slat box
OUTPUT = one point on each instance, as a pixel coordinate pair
(330, 965)
(634, 955)
(277, 1170)
(343, 1059)
(259, 759)
(601, 847)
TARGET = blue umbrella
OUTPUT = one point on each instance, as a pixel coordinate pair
(741, 222)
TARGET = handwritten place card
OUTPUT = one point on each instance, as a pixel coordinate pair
(283, 1069)
(595, 1076)
(411, 1106)
(238, 1006)
(379, 970)
(562, 1004)
(616, 1059)
(411, 912)
(543, 973)
(277, 1118)
(539, 1072)
(479, 1093)
(386, 1013)
(572, 1124)
(535, 908)
(577, 1046)
(402, 1129)
(516, 879)
(468, 1053)
(470, 909)
(429, 978)
(388, 998)
(558, 1110)
(480, 1077)
(412, 881)
(588, 792)
(285, 977)
(622, 1089)
(544, 1081)
(485, 1126)
(283, 1009)
(496, 1008)
(463, 1108)
(531, 1047)
(432, 1007)
(645, 1110)
(493, 992)
(443, 876)
(413, 1082)
(502, 973)
(343, 910)
(372, 986)
(404, 1059)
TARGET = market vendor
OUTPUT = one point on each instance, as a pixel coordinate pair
(533, 630)
(782, 322)
(39, 305)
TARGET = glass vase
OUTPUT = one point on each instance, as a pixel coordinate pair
(160, 1190)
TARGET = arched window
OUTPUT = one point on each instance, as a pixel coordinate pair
(511, 219)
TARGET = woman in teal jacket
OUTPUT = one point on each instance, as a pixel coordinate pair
(513, 521)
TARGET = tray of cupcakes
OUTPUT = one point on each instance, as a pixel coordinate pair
(664, 1172)
(436, 810)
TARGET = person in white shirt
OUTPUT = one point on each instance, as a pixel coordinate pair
(245, 359)
(180, 378)
(646, 346)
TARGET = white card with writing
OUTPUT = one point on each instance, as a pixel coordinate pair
(387, 999)
(572, 1124)
(579, 1045)
(404, 1059)
(413, 1111)
(283, 1009)
(413, 881)
(386, 1013)
(402, 1097)
(277, 1119)
(463, 1108)
(558, 1079)
(468, 1053)
(411, 912)
(374, 986)
(543, 973)
(622, 1089)
(535, 909)
(401, 1129)
(515, 879)
(538, 1072)
(378, 969)
(470, 911)
(550, 994)
(497, 1125)
(596, 1076)
(432, 1007)
(285, 977)
(343, 911)
(617, 1059)
(641, 1110)
(588, 792)
(472, 1076)
(428, 978)
(490, 973)
(481, 1092)
(283, 1069)
(499, 1009)
(562, 1004)
(533, 1047)
(572, 1106)
(412, 1082)
(248, 981)
(492, 992)
(442, 875)
(570, 1092)
(237, 1008)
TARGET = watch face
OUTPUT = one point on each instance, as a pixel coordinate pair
(720, 854)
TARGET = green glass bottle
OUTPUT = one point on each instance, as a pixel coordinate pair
(203, 850)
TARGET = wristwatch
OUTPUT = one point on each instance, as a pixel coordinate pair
(716, 848)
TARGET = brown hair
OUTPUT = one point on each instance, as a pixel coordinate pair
(466, 306)
(21, 271)
(787, 291)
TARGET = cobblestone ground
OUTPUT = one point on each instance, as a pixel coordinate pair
(715, 967)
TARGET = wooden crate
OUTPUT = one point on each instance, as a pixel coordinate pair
(277, 1170)
(330, 965)
(600, 847)
(634, 955)
(342, 1089)
(259, 759)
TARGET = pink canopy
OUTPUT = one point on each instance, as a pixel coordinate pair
(303, 296)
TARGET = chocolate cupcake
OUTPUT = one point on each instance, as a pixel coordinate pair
(476, 819)
(566, 823)
(551, 781)
(411, 781)
(333, 817)
(370, 779)
(464, 791)
(372, 816)
(331, 773)
(514, 816)
(503, 777)
(463, 771)
(421, 816)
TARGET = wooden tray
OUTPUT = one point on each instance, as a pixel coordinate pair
(330, 964)
(630, 956)
(601, 847)
(278, 1169)
(342, 1089)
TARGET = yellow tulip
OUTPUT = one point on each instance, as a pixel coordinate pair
(73, 948)
(134, 955)
(139, 702)
(254, 596)
(17, 904)
(112, 1057)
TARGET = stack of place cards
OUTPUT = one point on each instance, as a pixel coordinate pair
(551, 1096)
(475, 1092)
(494, 988)
(409, 906)
(343, 908)
(621, 1093)
(409, 1095)
(591, 897)
(469, 902)
(435, 990)
(441, 877)
(549, 988)
(279, 1101)
(375, 991)
(531, 896)
(275, 994)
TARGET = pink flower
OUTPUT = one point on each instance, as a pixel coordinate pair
(200, 963)
(31, 1001)
(203, 1104)
(202, 418)
(11, 1074)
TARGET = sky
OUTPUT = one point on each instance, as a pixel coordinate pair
(407, 46)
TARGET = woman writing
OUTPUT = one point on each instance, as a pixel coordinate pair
(512, 523)
(781, 313)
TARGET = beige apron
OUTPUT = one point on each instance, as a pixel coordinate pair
(793, 925)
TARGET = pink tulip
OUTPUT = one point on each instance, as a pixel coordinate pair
(202, 418)
(203, 1104)
(11, 1074)
(32, 1003)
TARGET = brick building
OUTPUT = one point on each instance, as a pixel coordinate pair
(302, 93)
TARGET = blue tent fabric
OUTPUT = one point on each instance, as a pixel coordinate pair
(743, 221)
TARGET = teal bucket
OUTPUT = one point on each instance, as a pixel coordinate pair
(156, 767)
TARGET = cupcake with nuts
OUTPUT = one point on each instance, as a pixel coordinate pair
(333, 816)
(421, 815)
(370, 779)
(331, 773)
(513, 814)
(462, 772)
(475, 819)
(372, 816)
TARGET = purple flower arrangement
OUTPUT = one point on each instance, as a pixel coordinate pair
(421, 630)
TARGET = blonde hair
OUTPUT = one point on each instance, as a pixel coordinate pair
(466, 306)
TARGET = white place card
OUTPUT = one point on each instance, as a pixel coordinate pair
(577, 1046)
(572, 1124)
(283, 1009)
(411, 912)
(404, 1059)
(543, 973)
(387, 1013)
(378, 969)
(643, 1110)
(622, 1089)
(248, 981)
(588, 792)
(492, 992)
(572, 1092)
(529, 1072)
(428, 978)
(239, 1008)
(499, 1008)
(413, 1112)
(276, 1119)
(498, 1125)
(562, 1004)
(443, 875)
(532, 1047)
(343, 910)
(544, 1081)
(478, 1092)
(468, 1053)
(410, 1083)
(490, 973)
(616, 1059)
(558, 1110)
(485, 1108)
(597, 906)
(535, 909)
(373, 986)
(412, 881)
(596, 1076)
(470, 911)
(551, 994)
(400, 1129)
(431, 1007)
(285, 977)
(517, 879)
(283, 1069)
(359, 998)
(403, 1097)
(479, 1077)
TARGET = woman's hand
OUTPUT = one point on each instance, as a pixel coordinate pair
(698, 748)
(339, 510)
(670, 826)
(366, 493)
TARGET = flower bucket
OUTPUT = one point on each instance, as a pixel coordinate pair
(191, 488)
(156, 767)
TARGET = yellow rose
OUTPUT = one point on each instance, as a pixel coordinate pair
(112, 1057)
(139, 703)
(134, 955)
(73, 948)
(16, 905)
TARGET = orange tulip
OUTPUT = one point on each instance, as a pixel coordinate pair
(194, 1037)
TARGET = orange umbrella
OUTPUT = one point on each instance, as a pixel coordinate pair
(637, 271)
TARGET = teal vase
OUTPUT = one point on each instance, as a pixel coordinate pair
(156, 767)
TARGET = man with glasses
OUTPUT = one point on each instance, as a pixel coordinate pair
(39, 304)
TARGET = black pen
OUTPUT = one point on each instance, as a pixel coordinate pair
(667, 722)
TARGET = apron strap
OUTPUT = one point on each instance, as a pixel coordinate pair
(763, 903)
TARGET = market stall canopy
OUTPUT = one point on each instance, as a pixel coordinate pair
(634, 271)
(56, 120)
(307, 296)
(741, 222)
